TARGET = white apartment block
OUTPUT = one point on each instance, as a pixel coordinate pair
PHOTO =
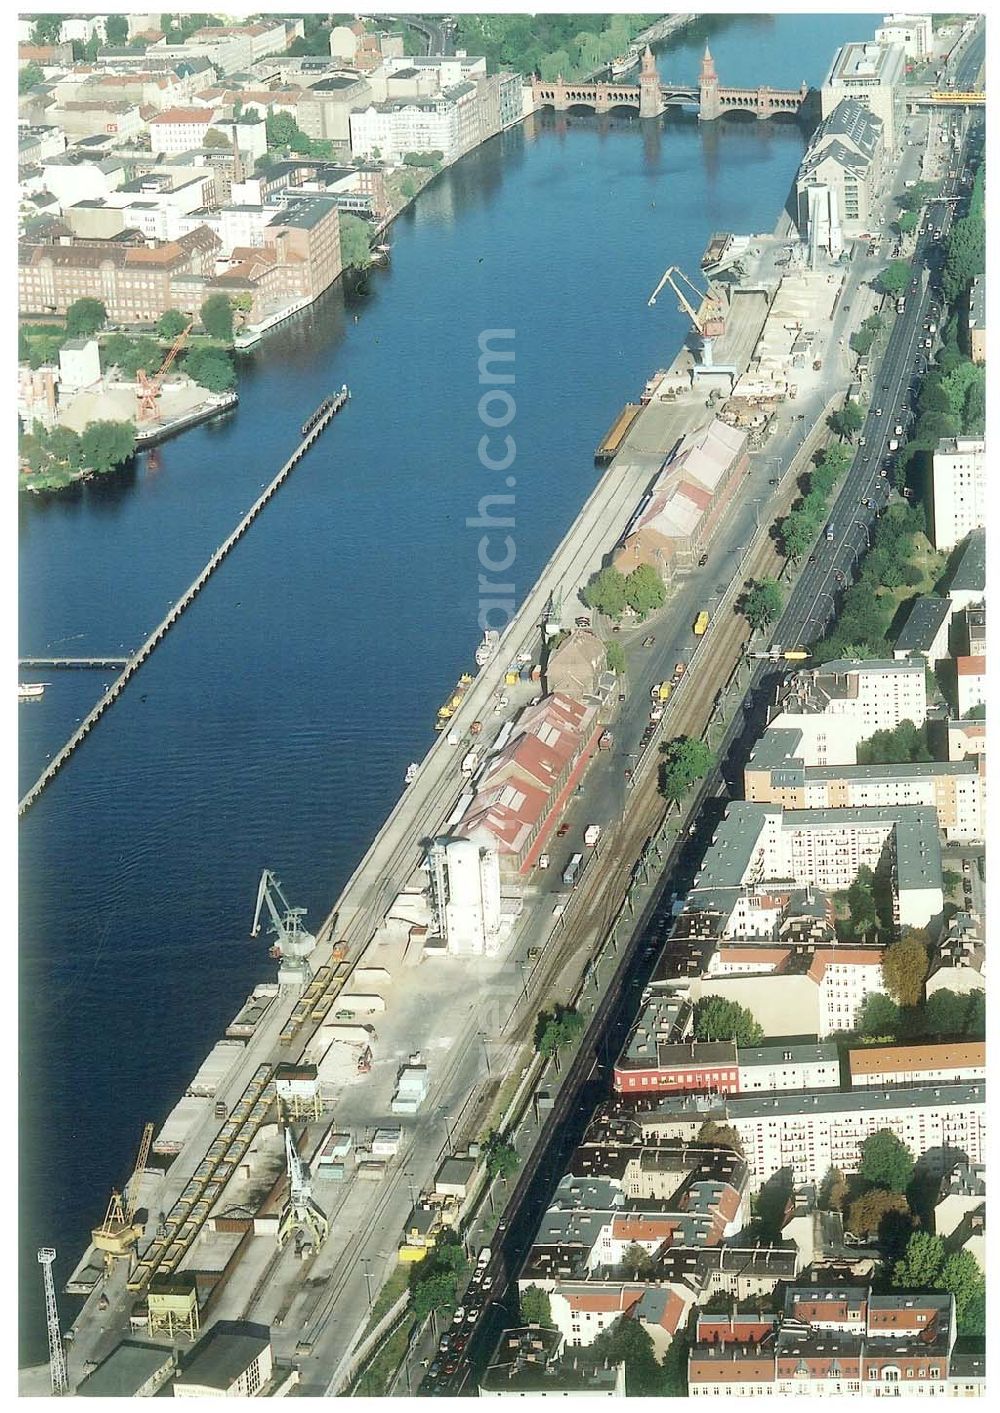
(842, 702)
(448, 123)
(914, 32)
(958, 490)
(180, 129)
(824, 997)
(811, 1133)
(758, 845)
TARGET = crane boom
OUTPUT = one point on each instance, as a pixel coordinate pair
(292, 939)
(132, 1191)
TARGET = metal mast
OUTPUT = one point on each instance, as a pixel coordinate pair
(57, 1355)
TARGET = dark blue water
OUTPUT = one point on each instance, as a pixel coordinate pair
(274, 724)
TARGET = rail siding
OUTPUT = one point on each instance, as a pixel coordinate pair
(163, 627)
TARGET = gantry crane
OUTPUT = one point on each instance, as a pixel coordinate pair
(148, 390)
(301, 1212)
(292, 942)
(118, 1234)
(708, 318)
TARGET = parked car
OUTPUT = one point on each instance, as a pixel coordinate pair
(649, 640)
(703, 561)
(562, 831)
(774, 481)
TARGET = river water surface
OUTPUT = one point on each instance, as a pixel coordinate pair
(274, 724)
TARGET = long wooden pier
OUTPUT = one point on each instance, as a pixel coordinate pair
(133, 663)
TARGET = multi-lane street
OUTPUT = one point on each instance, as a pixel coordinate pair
(812, 603)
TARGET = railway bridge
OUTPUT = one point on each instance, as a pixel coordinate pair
(653, 95)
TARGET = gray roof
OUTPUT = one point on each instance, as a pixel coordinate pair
(977, 302)
(795, 1050)
(732, 848)
(970, 571)
(917, 841)
(824, 1101)
(927, 616)
(305, 212)
(226, 1352)
(128, 1368)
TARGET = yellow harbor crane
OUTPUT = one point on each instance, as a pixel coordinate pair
(118, 1234)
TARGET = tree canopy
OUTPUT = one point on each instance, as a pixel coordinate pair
(535, 1306)
(217, 317)
(28, 75)
(904, 969)
(867, 1213)
(762, 604)
(556, 1029)
(685, 760)
(644, 591)
(171, 324)
(212, 368)
(903, 744)
(355, 242)
(84, 317)
(616, 658)
(847, 421)
(886, 1161)
(606, 592)
(716, 1018)
(895, 277)
(501, 1157)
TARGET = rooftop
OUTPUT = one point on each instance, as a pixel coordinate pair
(126, 1370)
(826, 1101)
(928, 615)
(896, 1059)
(226, 1352)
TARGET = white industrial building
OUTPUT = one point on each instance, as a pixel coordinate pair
(958, 489)
(914, 32)
(465, 895)
(874, 75)
(840, 177)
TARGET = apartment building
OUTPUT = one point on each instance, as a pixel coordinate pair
(756, 845)
(833, 1342)
(810, 1133)
(776, 774)
(877, 695)
(180, 129)
(324, 108)
(925, 632)
(873, 75)
(726, 1068)
(958, 490)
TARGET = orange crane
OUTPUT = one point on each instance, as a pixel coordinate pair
(149, 385)
(118, 1234)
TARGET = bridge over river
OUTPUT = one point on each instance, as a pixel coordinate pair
(653, 95)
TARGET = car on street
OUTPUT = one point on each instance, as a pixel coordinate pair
(583, 621)
(703, 561)
(966, 866)
(449, 1366)
(435, 1369)
(812, 559)
(773, 481)
(458, 1316)
(649, 640)
(562, 831)
(487, 1282)
(459, 1343)
(878, 412)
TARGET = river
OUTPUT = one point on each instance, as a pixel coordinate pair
(274, 724)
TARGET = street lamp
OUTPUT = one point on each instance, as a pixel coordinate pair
(868, 538)
(486, 1054)
(367, 1265)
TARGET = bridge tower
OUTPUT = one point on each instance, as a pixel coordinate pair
(708, 87)
(650, 96)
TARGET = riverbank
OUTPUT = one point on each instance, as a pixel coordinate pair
(377, 516)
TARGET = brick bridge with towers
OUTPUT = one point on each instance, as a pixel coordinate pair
(653, 95)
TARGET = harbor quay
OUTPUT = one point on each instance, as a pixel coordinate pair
(439, 1013)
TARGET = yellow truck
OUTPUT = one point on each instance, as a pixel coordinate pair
(700, 623)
